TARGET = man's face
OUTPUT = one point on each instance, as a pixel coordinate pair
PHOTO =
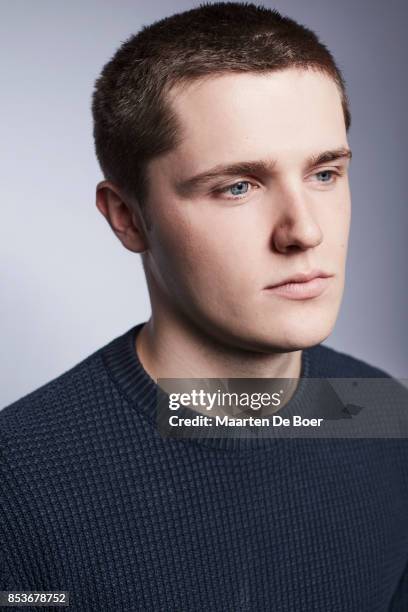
(217, 244)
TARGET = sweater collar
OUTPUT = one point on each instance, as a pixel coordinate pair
(142, 392)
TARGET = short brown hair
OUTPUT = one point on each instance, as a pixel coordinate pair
(133, 121)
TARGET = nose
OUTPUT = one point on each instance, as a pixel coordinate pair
(296, 226)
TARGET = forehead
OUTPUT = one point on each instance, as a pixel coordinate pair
(285, 115)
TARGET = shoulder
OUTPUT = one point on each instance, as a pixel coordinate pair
(385, 396)
(54, 418)
(49, 402)
(60, 419)
(53, 436)
(327, 362)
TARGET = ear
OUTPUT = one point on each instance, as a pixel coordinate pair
(125, 221)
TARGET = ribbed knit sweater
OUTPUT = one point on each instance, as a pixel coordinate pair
(97, 503)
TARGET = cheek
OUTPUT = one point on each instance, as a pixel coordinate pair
(334, 219)
(202, 255)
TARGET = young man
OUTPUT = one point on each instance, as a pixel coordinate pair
(222, 136)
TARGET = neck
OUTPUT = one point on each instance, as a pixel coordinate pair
(176, 349)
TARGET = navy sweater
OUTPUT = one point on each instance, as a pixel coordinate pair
(97, 503)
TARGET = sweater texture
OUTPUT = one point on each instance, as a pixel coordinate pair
(96, 502)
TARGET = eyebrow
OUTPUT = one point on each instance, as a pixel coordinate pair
(261, 166)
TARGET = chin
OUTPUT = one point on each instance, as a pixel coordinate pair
(299, 336)
(303, 341)
(289, 336)
(278, 339)
(301, 329)
(283, 332)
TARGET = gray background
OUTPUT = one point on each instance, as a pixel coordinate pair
(67, 284)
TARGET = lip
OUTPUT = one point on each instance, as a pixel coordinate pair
(302, 286)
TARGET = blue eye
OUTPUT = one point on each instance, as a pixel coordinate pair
(240, 188)
(326, 175)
